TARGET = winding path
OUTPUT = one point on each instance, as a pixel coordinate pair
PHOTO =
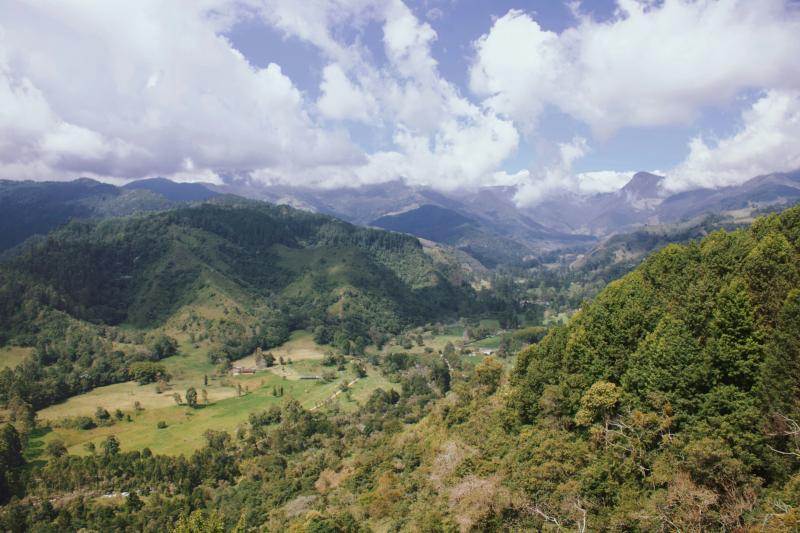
(334, 395)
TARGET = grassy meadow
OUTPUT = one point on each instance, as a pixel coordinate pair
(228, 405)
(225, 410)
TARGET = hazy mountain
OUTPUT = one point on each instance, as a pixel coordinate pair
(35, 207)
(29, 207)
(176, 192)
(429, 222)
(485, 223)
(778, 188)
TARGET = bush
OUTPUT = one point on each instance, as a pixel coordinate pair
(161, 424)
(56, 448)
(84, 422)
(145, 372)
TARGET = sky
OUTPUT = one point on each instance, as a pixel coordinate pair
(543, 95)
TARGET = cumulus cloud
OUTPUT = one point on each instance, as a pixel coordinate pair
(139, 89)
(652, 64)
(767, 142)
(341, 99)
(438, 137)
(134, 89)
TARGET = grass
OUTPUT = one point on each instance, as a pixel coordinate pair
(489, 342)
(226, 411)
(11, 356)
(299, 347)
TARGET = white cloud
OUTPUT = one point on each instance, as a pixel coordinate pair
(554, 178)
(600, 181)
(653, 64)
(133, 89)
(341, 99)
(558, 178)
(438, 137)
(767, 142)
(127, 90)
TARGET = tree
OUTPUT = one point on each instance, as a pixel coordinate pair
(191, 397)
(200, 522)
(668, 363)
(177, 398)
(110, 445)
(11, 463)
(163, 346)
(440, 375)
(449, 351)
(101, 414)
(488, 374)
(359, 346)
(598, 402)
(735, 348)
(134, 502)
(145, 372)
(359, 370)
(56, 448)
(204, 394)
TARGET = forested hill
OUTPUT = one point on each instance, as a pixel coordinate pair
(139, 270)
(670, 403)
(678, 390)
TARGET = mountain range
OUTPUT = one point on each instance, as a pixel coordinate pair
(487, 224)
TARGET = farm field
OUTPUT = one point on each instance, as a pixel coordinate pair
(225, 410)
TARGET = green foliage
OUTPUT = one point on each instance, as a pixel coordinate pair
(488, 374)
(145, 372)
(191, 397)
(200, 522)
(702, 340)
(599, 402)
(12, 463)
(163, 346)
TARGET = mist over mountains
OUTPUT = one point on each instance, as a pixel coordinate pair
(486, 223)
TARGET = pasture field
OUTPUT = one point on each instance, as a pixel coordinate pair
(225, 410)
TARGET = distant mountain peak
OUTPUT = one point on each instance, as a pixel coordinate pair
(644, 185)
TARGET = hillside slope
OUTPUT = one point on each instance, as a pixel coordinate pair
(28, 208)
(670, 403)
(241, 276)
(139, 270)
